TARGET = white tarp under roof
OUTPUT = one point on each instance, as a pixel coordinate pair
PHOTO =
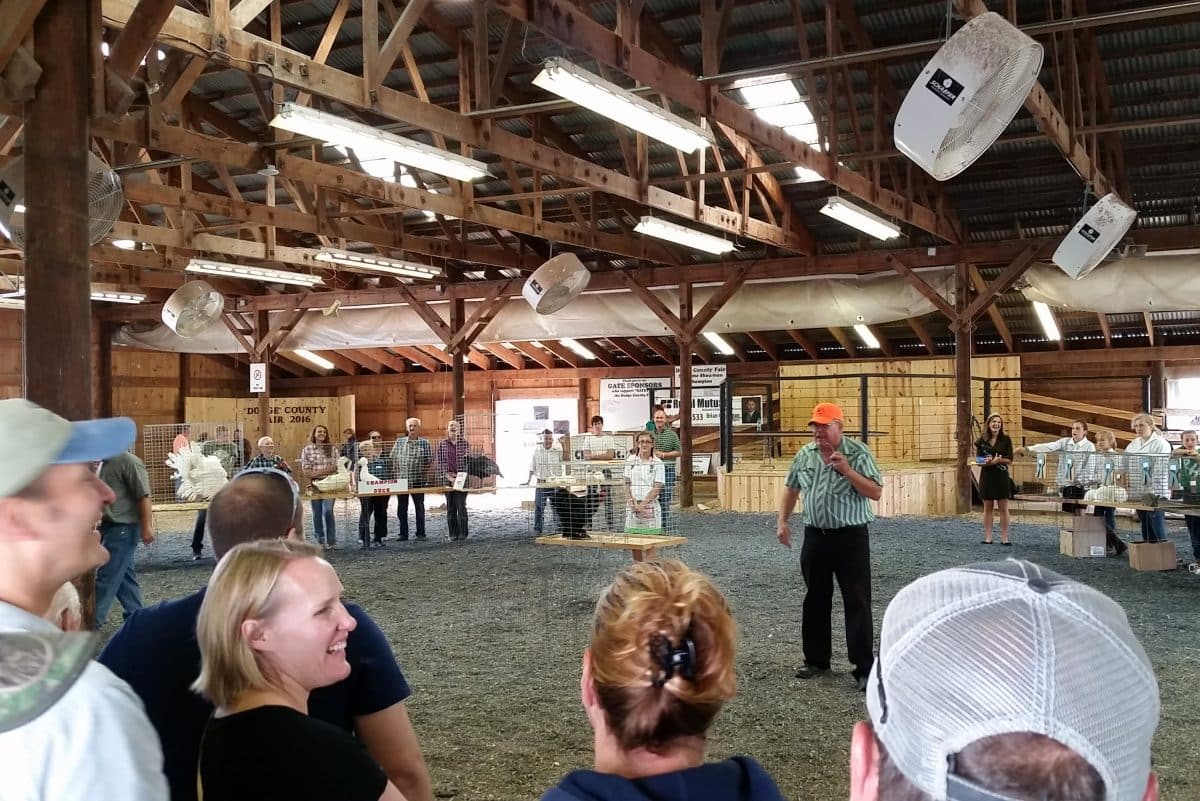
(758, 306)
(1149, 283)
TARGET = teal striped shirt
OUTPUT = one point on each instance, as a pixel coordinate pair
(830, 500)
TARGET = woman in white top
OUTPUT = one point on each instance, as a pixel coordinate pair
(644, 478)
(1147, 468)
(1073, 462)
(1106, 464)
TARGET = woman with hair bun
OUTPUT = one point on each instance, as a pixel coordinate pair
(656, 673)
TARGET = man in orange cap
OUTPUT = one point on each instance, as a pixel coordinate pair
(839, 478)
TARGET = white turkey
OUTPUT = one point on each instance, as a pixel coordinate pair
(1107, 494)
(335, 482)
(199, 476)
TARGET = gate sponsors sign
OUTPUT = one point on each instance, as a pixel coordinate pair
(625, 402)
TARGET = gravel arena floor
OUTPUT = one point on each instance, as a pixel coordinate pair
(490, 632)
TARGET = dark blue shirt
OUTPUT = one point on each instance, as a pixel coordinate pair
(155, 651)
(736, 779)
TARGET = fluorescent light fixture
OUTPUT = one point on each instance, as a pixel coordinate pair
(264, 274)
(19, 208)
(609, 100)
(117, 297)
(770, 90)
(314, 359)
(1046, 318)
(856, 217)
(680, 235)
(718, 342)
(364, 139)
(124, 244)
(577, 348)
(866, 336)
(377, 264)
(12, 303)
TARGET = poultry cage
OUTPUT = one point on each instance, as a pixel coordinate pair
(189, 462)
(1137, 479)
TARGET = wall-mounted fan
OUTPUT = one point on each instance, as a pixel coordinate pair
(967, 95)
(192, 308)
(105, 200)
(556, 283)
(1094, 236)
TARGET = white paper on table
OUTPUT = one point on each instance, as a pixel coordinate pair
(460, 481)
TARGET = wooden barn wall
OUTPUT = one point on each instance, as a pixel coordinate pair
(10, 353)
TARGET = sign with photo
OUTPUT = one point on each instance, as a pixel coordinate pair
(706, 411)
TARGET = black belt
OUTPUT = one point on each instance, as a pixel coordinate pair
(833, 532)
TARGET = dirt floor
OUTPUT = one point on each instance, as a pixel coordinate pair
(490, 631)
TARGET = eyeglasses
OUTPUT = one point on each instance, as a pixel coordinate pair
(277, 473)
(376, 436)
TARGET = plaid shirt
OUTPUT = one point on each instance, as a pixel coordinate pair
(263, 460)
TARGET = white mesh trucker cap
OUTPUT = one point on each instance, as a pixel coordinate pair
(1007, 647)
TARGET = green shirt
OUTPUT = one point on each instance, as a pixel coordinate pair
(665, 442)
(830, 500)
(126, 476)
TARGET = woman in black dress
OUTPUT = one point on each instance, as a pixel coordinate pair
(994, 450)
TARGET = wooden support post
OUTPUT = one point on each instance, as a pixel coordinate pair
(103, 375)
(962, 390)
(185, 387)
(458, 368)
(683, 486)
(1158, 385)
(57, 339)
(262, 328)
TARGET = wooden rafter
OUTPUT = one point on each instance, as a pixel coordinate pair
(844, 340)
(1148, 319)
(603, 355)
(383, 357)
(922, 333)
(993, 310)
(659, 347)
(340, 362)
(763, 341)
(931, 294)
(1102, 318)
(669, 319)
(505, 355)
(363, 360)
(567, 355)
(16, 22)
(1008, 276)
(629, 349)
(536, 354)
(417, 357)
(805, 341)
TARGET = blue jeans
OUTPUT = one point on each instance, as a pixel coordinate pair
(323, 525)
(116, 579)
(540, 496)
(1154, 526)
(664, 497)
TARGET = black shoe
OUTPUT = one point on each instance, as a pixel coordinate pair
(421, 537)
(195, 557)
(405, 539)
(380, 544)
(860, 682)
(807, 671)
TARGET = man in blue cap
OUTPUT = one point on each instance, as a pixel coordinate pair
(69, 729)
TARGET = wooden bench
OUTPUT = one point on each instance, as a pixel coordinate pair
(642, 546)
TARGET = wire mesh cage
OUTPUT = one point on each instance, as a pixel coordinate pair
(1109, 477)
(189, 462)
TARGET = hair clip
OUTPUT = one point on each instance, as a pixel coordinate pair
(671, 659)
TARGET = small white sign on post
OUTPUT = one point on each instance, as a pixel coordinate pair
(258, 377)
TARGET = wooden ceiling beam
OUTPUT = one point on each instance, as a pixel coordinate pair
(567, 355)
(1008, 276)
(191, 32)
(572, 26)
(844, 340)
(805, 341)
(388, 360)
(364, 360)
(417, 357)
(1149, 321)
(536, 354)
(932, 295)
(1102, 318)
(631, 350)
(16, 23)
(761, 339)
(660, 348)
(505, 355)
(603, 354)
(922, 333)
(993, 310)
(340, 362)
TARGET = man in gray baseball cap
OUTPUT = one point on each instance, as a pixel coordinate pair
(69, 729)
(1006, 682)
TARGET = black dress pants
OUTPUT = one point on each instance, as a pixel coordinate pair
(372, 508)
(456, 514)
(198, 531)
(844, 554)
(418, 502)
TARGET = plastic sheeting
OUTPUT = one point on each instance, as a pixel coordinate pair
(758, 306)
(1149, 283)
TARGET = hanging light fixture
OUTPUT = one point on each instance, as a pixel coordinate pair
(377, 264)
(681, 235)
(609, 100)
(380, 144)
(264, 274)
(857, 217)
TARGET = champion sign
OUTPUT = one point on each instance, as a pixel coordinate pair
(946, 88)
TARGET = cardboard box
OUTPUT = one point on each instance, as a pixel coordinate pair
(1152, 555)
(1084, 539)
